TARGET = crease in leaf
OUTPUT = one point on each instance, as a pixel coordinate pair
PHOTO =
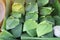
(32, 32)
(14, 14)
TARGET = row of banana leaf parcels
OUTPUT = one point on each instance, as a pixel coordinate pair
(31, 20)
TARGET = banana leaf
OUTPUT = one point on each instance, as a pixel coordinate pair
(33, 16)
(32, 8)
(11, 23)
(56, 6)
(46, 11)
(17, 31)
(32, 12)
(43, 28)
(57, 20)
(48, 18)
(14, 14)
(6, 35)
(30, 2)
(32, 32)
(18, 8)
(20, 1)
(29, 26)
(36, 38)
(8, 7)
(3, 25)
(48, 35)
(42, 2)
